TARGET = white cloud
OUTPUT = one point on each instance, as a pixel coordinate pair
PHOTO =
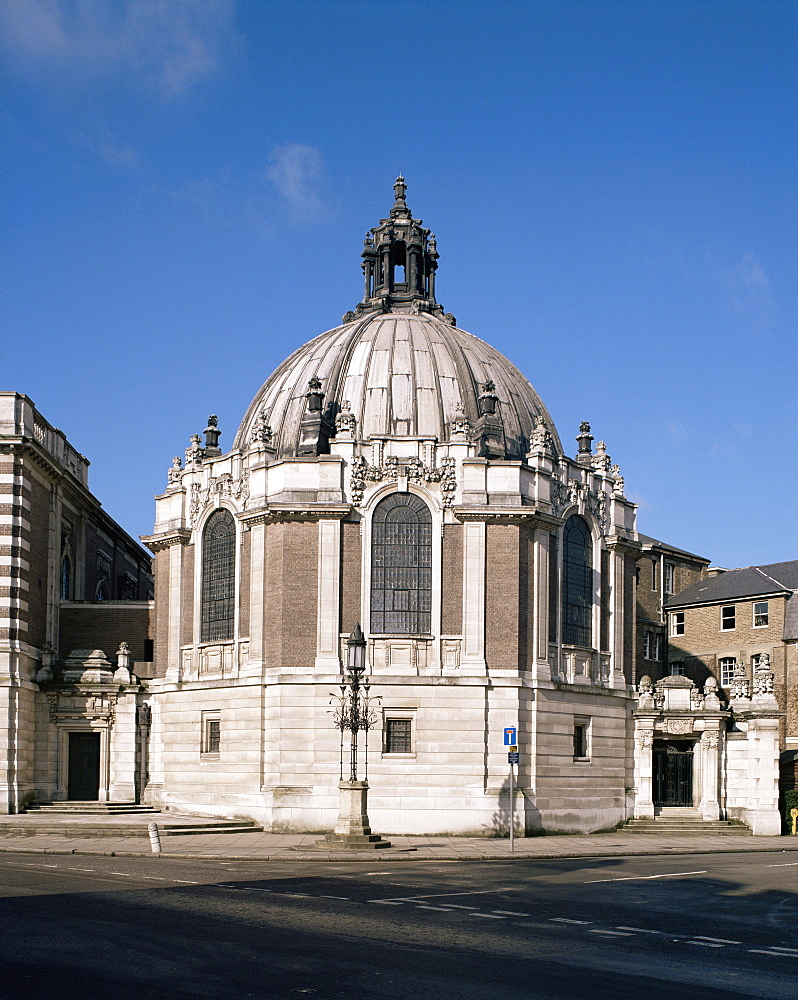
(300, 176)
(163, 46)
(676, 431)
(119, 155)
(749, 287)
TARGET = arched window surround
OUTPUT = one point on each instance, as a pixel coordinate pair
(436, 513)
(578, 598)
(216, 601)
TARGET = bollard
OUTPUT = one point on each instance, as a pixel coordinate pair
(794, 814)
(155, 838)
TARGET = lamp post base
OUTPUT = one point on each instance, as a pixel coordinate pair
(352, 831)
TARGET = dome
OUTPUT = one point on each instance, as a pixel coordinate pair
(400, 375)
(398, 365)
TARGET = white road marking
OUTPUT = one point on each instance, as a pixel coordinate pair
(127, 875)
(641, 878)
(595, 930)
(789, 951)
(565, 920)
(705, 944)
(511, 913)
(773, 954)
(489, 916)
(81, 869)
(386, 902)
(704, 937)
(333, 897)
(379, 873)
(475, 892)
(638, 930)
(188, 881)
(786, 864)
(440, 909)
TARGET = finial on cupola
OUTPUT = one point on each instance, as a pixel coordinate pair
(400, 189)
(585, 441)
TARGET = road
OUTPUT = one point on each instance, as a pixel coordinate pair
(715, 927)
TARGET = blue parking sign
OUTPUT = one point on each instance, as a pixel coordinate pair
(510, 736)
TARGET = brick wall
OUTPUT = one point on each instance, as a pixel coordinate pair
(502, 596)
(38, 573)
(104, 626)
(350, 575)
(187, 608)
(452, 580)
(243, 593)
(291, 594)
(161, 632)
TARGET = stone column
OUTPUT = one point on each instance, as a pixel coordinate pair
(710, 744)
(473, 654)
(763, 776)
(541, 666)
(644, 767)
(617, 587)
(257, 569)
(329, 603)
(174, 669)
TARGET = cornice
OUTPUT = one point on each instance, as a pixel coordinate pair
(295, 512)
(165, 539)
(507, 515)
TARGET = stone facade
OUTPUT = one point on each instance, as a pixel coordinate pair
(72, 583)
(399, 474)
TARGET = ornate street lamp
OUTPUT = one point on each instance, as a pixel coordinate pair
(353, 713)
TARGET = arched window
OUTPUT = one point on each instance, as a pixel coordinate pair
(218, 576)
(401, 566)
(577, 583)
(66, 578)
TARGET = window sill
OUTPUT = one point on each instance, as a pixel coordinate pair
(210, 756)
(397, 756)
(582, 760)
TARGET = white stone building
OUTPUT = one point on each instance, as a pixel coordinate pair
(399, 473)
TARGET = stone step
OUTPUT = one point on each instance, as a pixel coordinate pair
(90, 808)
(686, 826)
(353, 842)
(168, 830)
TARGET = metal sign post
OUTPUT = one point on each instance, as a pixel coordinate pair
(511, 742)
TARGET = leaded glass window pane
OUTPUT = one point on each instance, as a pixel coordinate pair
(577, 571)
(218, 577)
(401, 566)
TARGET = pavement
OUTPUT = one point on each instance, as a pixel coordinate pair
(258, 846)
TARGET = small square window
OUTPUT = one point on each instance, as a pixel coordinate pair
(211, 735)
(581, 738)
(398, 736)
(677, 623)
(760, 614)
(727, 665)
(728, 618)
(677, 670)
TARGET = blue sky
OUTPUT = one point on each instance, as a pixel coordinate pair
(612, 187)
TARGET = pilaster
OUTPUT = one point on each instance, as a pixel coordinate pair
(473, 656)
(329, 603)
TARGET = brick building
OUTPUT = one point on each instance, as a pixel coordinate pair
(72, 584)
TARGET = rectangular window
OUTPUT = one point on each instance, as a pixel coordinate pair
(728, 618)
(670, 578)
(677, 623)
(398, 736)
(654, 574)
(677, 670)
(727, 665)
(760, 614)
(651, 645)
(211, 734)
(581, 738)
